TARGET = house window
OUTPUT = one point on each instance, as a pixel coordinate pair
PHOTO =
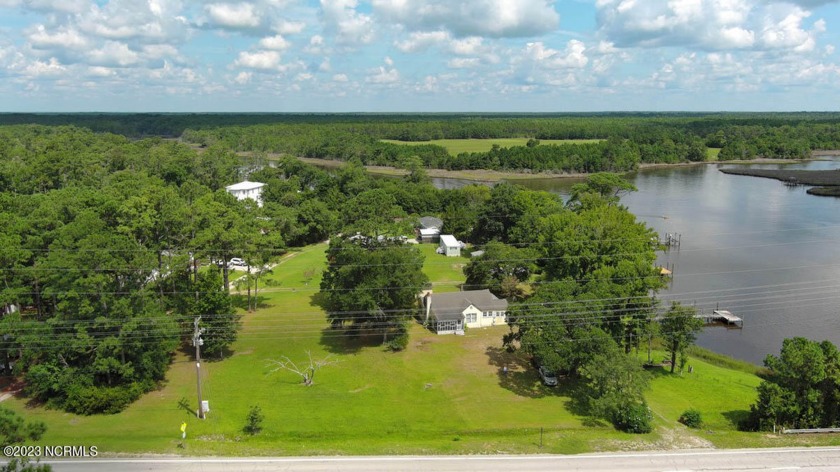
(471, 318)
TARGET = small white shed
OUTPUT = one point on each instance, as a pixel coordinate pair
(449, 246)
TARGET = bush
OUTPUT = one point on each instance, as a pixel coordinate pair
(634, 418)
(253, 422)
(691, 418)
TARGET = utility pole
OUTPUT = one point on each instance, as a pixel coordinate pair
(197, 342)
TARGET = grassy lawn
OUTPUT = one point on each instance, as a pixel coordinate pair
(443, 394)
(712, 154)
(446, 273)
(457, 146)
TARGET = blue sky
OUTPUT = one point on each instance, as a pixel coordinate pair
(419, 55)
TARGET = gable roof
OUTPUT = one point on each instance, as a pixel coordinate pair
(451, 305)
(449, 240)
(245, 185)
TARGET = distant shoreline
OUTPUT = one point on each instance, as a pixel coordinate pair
(482, 175)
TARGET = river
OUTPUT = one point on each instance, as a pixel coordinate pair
(768, 253)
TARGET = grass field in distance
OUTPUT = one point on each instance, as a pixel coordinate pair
(457, 146)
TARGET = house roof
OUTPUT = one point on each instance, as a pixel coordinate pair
(449, 240)
(429, 231)
(245, 185)
(429, 222)
(451, 306)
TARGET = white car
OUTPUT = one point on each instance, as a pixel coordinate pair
(548, 377)
(236, 262)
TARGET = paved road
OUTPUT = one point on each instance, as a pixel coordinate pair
(807, 460)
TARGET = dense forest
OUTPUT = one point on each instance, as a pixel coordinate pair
(627, 139)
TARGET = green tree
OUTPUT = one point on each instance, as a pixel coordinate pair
(604, 186)
(500, 263)
(371, 283)
(615, 386)
(218, 317)
(15, 431)
(679, 328)
(803, 389)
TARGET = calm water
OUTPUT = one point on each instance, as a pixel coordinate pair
(765, 252)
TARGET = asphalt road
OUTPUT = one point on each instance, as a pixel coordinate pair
(807, 459)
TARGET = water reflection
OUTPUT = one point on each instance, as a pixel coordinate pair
(763, 251)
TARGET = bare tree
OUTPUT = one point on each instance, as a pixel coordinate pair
(305, 371)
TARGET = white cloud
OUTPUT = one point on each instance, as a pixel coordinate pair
(233, 15)
(573, 57)
(340, 78)
(150, 21)
(64, 37)
(422, 40)
(243, 78)
(289, 27)
(463, 62)
(706, 24)
(64, 6)
(276, 43)
(99, 71)
(40, 68)
(497, 18)
(351, 28)
(113, 54)
(262, 60)
(782, 29)
(384, 75)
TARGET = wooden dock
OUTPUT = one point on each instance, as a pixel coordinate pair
(723, 316)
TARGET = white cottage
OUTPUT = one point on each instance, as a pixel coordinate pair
(450, 312)
(246, 189)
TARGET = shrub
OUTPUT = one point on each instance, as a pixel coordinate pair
(253, 422)
(691, 418)
(633, 418)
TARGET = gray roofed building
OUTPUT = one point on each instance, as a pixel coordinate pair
(451, 312)
(430, 222)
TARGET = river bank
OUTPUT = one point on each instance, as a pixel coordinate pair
(826, 182)
(483, 175)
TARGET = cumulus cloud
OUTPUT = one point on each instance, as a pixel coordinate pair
(496, 18)
(572, 57)
(63, 37)
(277, 43)
(384, 75)
(40, 68)
(350, 27)
(64, 6)
(113, 54)
(233, 15)
(262, 60)
(705, 24)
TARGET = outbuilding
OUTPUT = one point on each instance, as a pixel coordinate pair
(449, 246)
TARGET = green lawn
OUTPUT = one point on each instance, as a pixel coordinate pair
(712, 154)
(457, 146)
(446, 273)
(443, 394)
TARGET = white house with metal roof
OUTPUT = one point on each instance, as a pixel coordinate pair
(450, 312)
(449, 246)
(246, 189)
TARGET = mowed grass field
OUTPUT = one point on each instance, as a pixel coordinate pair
(442, 395)
(457, 146)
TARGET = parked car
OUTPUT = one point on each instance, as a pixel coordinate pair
(547, 376)
(236, 262)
